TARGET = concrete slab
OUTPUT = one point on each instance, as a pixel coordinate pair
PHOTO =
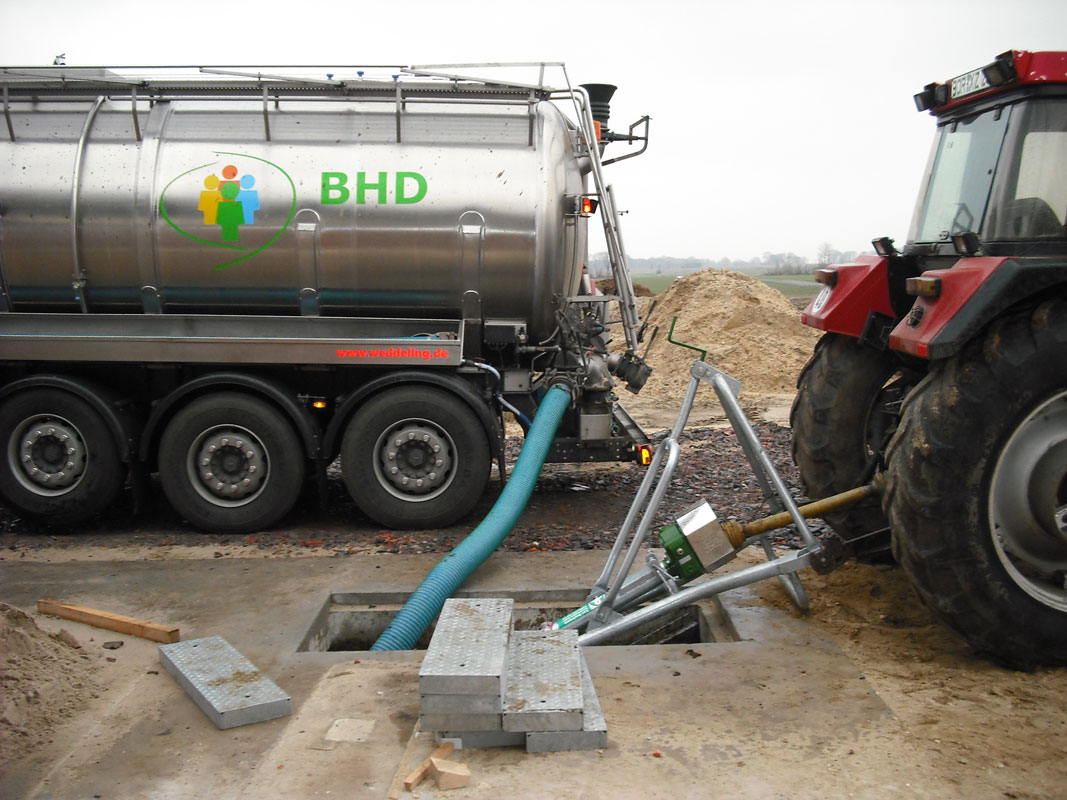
(771, 716)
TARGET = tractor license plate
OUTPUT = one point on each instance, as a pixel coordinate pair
(969, 84)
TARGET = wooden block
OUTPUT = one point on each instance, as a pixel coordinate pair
(167, 634)
(421, 772)
(449, 774)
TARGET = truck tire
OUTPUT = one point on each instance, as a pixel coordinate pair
(977, 489)
(840, 420)
(231, 463)
(415, 457)
(60, 464)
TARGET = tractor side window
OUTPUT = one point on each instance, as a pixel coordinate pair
(1034, 205)
(957, 185)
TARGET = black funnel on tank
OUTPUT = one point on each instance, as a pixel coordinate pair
(600, 101)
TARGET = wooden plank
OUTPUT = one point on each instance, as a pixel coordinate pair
(420, 773)
(168, 634)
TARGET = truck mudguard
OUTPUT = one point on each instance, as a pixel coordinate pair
(463, 390)
(305, 425)
(122, 427)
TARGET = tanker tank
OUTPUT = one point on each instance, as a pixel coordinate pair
(333, 215)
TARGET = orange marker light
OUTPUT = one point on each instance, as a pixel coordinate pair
(644, 454)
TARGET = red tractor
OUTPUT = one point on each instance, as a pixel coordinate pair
(945, 365)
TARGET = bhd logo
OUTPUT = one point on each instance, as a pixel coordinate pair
(229, 203)
(228, 200)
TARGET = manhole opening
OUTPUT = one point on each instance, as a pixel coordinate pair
(346, 624)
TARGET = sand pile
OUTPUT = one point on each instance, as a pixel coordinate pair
(44, 680)
(751, 332)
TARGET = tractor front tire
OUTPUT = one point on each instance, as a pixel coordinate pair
(840, 418)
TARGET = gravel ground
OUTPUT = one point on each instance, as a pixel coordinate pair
(574, 507)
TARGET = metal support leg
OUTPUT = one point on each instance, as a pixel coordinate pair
(611, 596)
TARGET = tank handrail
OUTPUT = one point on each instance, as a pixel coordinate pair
(390, 100)
(430, 71)
(163, 82)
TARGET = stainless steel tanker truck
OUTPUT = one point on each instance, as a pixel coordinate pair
(229, 278)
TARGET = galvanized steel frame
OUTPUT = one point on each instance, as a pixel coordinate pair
(616, 595)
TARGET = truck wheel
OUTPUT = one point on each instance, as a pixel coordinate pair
(230, 463)
(842, 413)
(977, 489)
(415, 457)
(61, 464)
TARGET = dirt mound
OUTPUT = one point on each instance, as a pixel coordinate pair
(44, 680)
(751, 332)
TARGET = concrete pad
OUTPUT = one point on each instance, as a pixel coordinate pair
(784, 713)
(305, 762)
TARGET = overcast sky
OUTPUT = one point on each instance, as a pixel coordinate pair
(776, 126)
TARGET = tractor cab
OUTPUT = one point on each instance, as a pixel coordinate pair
(998, 167)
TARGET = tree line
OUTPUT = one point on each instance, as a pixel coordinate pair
(767, 264)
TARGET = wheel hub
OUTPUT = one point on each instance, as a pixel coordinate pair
(48, 454)
(415, 458)
(230, 464)
(1028, 502)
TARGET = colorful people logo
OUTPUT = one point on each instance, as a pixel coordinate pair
(229, 203)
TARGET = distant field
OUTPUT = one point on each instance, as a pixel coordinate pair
(655, 283)
(789, 285)
(792, 285)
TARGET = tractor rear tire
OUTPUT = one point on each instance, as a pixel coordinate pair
(977, 489)
(840, 419)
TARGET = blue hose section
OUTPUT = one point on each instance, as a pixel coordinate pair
(454, 568)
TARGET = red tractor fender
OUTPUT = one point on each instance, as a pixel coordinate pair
(972, 293)
(849, 294)
(930, 315)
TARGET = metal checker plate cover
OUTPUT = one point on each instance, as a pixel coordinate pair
(461, 703)
(469, 648)
(224, 684)
(544, 691)
(592, 736)
(462, 722)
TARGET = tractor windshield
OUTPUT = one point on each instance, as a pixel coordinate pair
(1001, 173)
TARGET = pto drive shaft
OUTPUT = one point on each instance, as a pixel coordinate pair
(697, 542)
